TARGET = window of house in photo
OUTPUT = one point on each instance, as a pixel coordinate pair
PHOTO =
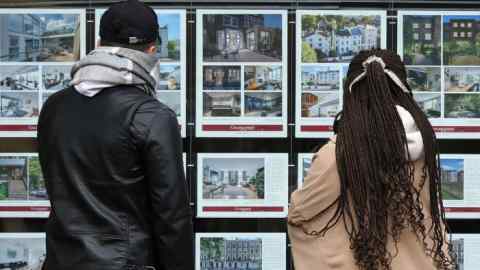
(428, 25)
(415, 36)
(15, 23)
(455, 34)
(415, 25)
(469, 34)
(455, 25)
(462, 34)
(428, 36)
(470, 25)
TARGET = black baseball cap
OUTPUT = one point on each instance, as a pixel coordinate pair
(129, 22)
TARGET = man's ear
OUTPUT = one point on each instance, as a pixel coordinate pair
(152, 49)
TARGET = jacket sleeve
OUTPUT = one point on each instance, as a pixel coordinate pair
(171, 213)
(320, 190)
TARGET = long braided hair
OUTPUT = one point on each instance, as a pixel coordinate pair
(378, 197)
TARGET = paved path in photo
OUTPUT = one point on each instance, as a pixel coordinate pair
(239, 193)
(17, 190)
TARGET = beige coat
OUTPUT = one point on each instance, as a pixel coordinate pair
(331, 252)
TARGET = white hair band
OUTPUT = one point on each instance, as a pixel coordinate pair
(387, 71)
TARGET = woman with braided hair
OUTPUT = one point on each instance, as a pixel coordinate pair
(372, 198)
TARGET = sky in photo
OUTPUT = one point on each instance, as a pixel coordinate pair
(273, 20)
(172, 21)
(452, 164)
(447, 19)
(249, 164)
(58, 21)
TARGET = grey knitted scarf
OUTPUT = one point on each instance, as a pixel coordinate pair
(117, 66)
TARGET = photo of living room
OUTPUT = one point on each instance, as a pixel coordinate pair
(19, 78)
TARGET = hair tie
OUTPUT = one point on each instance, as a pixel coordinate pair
(391, 74)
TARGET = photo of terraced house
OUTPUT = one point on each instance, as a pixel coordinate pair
(56, 77)
(242, 38)
(318, 78)
(233, 178)
(453, 174)
(424, 79)
(230, 253)
(333, 38)
(19, 78)
(422, 40)
(39, 37)
(461, 40)
(169, 32)
(22, 253)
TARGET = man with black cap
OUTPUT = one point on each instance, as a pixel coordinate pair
(112, 159)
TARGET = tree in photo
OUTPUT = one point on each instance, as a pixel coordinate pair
(35, 174)
(309, 55)
(212, 248)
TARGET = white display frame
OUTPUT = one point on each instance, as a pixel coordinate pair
(445, 128)
(182, 118)
(271, 206)
(322, 127)
(27, 127)
(277, 257)
(466, 208)
(242, 126)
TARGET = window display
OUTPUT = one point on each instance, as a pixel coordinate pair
(241, 73)
(171, 55)
(439, 49)
(467, 248)
(242, 185)
(459, 174)
(22, 250)
(37, 49)
(22, 186)
(326, 42)
(253, 251)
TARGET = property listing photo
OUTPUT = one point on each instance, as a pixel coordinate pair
(21, 179)
(169, 32)
(19, 104)
(424, 79)
(19, 77)
(453, 175)
(56, 77)
(461, 40)
(263, 77)
(242, 38)
(267, 104)
(37, 37)
(170, 77)
(320, 105)
(22, 253)
(222, 104)
(233, 178)
(338, 38)
(462, 79)
(430, 103)
(320, 78)
(231, 253)
(222, 77)
(422, 39)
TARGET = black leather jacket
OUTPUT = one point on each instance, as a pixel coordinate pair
(114, 173)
